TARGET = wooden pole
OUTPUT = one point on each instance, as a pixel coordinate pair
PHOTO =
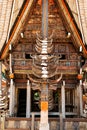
(11, 98)
(44, 87)
(44, 19)
(63, 99)
(44, 125)
(14, 98)
(28, 104)
(80, 95)
(32, 126)
(2, 123)
(11, 85)
(61, 121)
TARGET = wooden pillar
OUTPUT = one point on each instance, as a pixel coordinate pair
(11, 102)
(61, 121)
(28, 103)
(63, 99)
(44, 19)
(44, 125)
(80, 95)
(14, 101)
(32, 122)
(2, 123)
(74, 97)
(80, 98)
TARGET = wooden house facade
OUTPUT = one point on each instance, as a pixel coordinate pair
(64, 94)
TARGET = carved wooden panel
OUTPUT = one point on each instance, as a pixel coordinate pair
(71, 48)
(68, 59)
(63, 45)
(73, 56)
(22, 64)
(17, 48)
(17, 55)
(62, 48)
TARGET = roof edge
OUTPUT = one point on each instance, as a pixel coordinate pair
(24, 12)
(66, 14)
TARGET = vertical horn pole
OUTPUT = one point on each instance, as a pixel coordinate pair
(44, 125)
(44, 19)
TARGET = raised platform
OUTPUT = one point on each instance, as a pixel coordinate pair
(14, 123)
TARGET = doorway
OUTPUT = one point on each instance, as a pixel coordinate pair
(21, 103)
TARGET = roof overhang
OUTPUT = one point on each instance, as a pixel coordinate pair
(71, 25)
(18, 25)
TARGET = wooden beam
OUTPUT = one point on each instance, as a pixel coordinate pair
(64, 70)
(23, 71)
(55, 40)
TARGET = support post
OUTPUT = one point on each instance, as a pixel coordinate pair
(44, 19)
(44, 125)
(2, 122)
(14, 98)
(80, 96)
(63, 99)
(28, 104)
(61, 121)
(32, 126)
(11, 98)
(11, 103)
